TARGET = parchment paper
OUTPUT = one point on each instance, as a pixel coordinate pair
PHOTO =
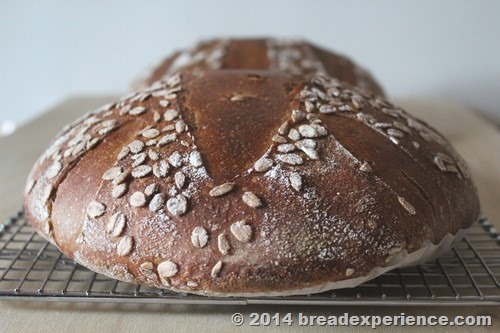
(427, 252)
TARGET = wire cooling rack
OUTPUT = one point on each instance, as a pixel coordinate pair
(33, 269)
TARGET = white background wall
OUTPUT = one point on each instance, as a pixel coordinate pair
(52, 49)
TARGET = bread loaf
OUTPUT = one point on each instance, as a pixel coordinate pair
(294, 57)
(248, 182)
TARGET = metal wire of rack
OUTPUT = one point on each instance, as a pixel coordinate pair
(32, 268)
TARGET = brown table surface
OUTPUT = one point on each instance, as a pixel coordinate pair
(477, 141)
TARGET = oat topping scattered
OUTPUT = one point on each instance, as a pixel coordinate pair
(180, 179)
(223, 244)
(175, 159)
(180, 126)
(138, 110)
(170, 114)
(118, 190)
(294, 135)
(136, 146)
(151, 189)
(406, 205)
(168, 128)
(325, 108)
(121, 178)
(144, 130)
(54, 170)
(395, 133)
(309, 106)
(239, 98)
(116, 224)
(306, 143)
(153, 155)
(125, 246)
(241, 231)
(298, 116)
(310, 152)
(263, 164)
(283, 129)
(349, 272)
(394, 140)
(177, 206)
(161, 169)
(96, 209)
(401, 127)
(365, 167)
(292, 159)
(286, 148)
(295, 180)
(112, 173)
(92, 143)
(195, 159)
(312, 131)
(167, 269)
(425, 136)
(157, 202)
(440, 160)
(152, 142)
(123, 153)
(156, 116)
(151, 133)
(216, 269)
(125, 110)
(278, 139)
(138, 159)
(147, 265)
(79, 148)
(199, 237)
(167, 139)
(164, 103)
(107, 127)
(251, 200)
(141, 171)
(138, 199)
(220, 190)
(357, 103)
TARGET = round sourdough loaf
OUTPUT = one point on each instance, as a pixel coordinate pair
(248, 182)
(295, 57)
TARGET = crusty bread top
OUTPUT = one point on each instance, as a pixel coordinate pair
(295, 57)
(247, 181)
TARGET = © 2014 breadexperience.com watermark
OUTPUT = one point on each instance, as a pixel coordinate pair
(373, 321)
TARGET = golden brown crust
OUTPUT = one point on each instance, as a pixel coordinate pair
(294, 57)
(265, 182)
